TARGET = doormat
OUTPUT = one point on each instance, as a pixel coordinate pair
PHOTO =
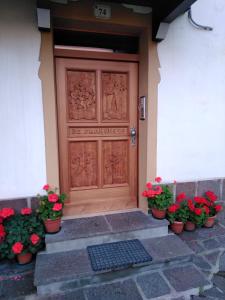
(118, 255)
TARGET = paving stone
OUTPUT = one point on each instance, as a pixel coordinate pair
(203, 233)
(221, 240)
(125, 290)
(79, 228)
(133, 221)
(213, 292)
(179, 298)
(195, 246)
(153, 285)
(186, 187)
(219, 282)
(75, 295)
(16, 204)
(211, 244)
(167, 248)
(11, 268)
(200, 262)
(208, 185)
(18, 285)
(212, 257)
(222, 262)
(185, 278)
(61, 266)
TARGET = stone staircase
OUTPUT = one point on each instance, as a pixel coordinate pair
(64, 271)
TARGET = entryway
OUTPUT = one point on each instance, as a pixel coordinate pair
(97, 124)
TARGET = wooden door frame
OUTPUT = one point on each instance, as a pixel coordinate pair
(148, 86)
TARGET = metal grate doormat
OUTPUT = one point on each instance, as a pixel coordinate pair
(118, 255)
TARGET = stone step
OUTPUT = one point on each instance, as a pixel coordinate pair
(64, 271)
(82, 232)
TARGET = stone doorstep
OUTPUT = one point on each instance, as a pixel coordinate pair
(80, 233)
(73, 268)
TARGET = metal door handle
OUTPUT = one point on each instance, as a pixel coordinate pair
(133, 134)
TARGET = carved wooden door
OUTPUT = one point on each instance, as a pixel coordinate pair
(97, 107)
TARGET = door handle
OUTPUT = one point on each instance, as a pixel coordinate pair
(133, 134)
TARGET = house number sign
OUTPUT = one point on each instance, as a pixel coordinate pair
(102, 11)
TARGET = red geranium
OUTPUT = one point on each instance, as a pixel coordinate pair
(53, 197)
(26, 211)
(149, 185)
(181, 197)
(57, 207)
(198, 211)
(218, 208)
(34, 239)
(2, 232)
(7, 212)
(211, 196)
(173, 208)
(17, 248)
(206, 209)
(191, 205)
(46, 187)
(158, 179)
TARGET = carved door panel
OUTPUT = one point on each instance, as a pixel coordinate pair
(97, 107)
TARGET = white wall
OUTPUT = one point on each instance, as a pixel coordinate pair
(191, 96)
(22, 150)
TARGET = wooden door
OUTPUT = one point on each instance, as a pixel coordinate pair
(97, 107)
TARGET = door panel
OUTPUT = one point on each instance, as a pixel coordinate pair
(97, 106)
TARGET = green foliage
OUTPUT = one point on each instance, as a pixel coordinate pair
(19, 228)
(163, 200)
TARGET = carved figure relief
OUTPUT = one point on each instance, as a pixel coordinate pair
(115, 96)
(83, 164)
(81, 90)
(115, 157)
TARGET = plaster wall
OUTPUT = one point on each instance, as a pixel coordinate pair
(191, 96)
(22, 151)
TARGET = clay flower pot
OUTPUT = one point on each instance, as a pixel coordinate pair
(210, 222)
(189, 226)
(24, 258)
(52, 226)
(158, 214)
(177, 227)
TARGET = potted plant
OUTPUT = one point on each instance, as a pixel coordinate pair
(190, 224)
(159, 198)
(177, 216)
(212, 208)
(23, 236)
(51, 208)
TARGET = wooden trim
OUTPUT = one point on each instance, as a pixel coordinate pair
(70, 53)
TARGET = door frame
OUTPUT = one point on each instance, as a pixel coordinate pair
(148, 85)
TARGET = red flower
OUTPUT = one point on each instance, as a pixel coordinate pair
(151, 193)
(53, 197)
(149, 185)
(26, 211)
(17, 248)
(206, 209)
(7, 212)
(46, 187)
(201, 200)
(181, 197)
(218, 208)
(2, 232)
(198, 211)
(158, 190)
(34, 239)
(191, 205)
(158, 179)
(211, 196)
(174, 181)
(57, 207)
(145, 194)
(173, 208)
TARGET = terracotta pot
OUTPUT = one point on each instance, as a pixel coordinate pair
(177, 227)
(158, 214)
(210, 222)
(52, 226)
(189, 226)
(24, 258)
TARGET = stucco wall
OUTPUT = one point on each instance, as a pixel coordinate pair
(22, 151)
(191, 96)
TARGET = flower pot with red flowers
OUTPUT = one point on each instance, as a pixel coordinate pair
(159, 198)
(51, 209)
(212, 208)
(177, 216)
(23, 235)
